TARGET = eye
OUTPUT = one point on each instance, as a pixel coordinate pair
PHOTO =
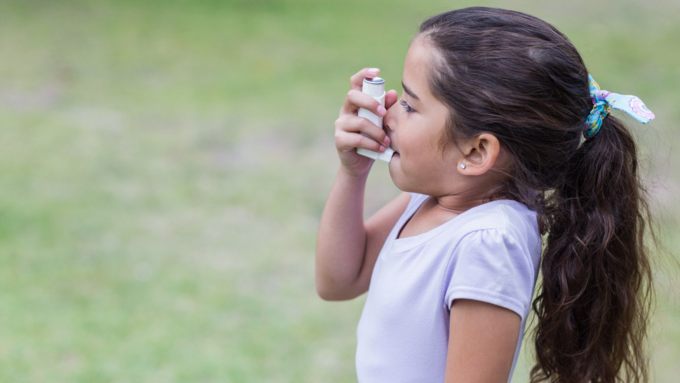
(406, 106)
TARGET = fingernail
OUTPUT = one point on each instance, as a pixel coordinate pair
(382, 149)
(381, 110)
(374, 70)
(386, 141)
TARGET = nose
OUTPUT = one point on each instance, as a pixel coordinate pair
(390, 119)
(390, 125)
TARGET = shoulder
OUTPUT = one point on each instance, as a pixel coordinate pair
(496, 256)
(506, 218)
(500, 228)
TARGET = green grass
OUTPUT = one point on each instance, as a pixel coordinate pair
(164, 164)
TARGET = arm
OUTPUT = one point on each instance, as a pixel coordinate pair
(482, 342)
(347, 248)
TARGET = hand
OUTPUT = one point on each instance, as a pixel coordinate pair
(349, 125)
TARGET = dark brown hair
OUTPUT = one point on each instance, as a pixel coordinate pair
(520, 79)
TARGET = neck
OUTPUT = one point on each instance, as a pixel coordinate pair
(461, 201)
(470, 191)
(457, 204)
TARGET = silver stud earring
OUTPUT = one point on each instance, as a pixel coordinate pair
(462, 166)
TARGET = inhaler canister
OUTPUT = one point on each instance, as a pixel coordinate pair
(374, 87)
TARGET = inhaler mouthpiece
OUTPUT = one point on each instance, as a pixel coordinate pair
(374, 87)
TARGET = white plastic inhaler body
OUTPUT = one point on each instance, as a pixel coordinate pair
(374, 87)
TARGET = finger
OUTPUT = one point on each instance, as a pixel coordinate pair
(357, 99)
(348, 141)
(390, 98)
(355, 124)
(357, 80)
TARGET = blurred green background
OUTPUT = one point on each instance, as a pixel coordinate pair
(164, 164)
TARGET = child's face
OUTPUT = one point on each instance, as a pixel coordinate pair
(415, 125)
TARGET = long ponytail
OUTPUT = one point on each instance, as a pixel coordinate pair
(594, 299)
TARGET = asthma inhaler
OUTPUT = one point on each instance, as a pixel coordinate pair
(374, 87)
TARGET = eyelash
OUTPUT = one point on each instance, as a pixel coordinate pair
(406, 106)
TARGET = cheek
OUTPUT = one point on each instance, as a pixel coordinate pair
(412, 162)
(406, 133)
(414, 144)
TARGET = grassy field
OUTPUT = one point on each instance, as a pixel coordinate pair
(164, 164)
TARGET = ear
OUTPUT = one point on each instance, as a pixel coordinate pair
(479, 154)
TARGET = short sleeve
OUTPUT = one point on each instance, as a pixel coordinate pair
(494, 267)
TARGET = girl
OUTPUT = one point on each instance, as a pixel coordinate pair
(500, 137)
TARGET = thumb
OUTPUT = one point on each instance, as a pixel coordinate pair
(390, 98)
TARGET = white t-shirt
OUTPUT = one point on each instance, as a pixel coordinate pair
(489, 253)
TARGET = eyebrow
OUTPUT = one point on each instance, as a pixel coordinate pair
(409, 92)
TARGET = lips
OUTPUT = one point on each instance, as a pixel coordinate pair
(394, 147)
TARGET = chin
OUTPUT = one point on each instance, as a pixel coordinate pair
(394, 166)
(399, 179)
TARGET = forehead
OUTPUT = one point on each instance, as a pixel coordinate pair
(417, 64)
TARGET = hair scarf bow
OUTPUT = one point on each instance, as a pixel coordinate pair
(603, 101)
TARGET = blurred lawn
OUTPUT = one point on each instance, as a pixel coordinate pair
(164, 164)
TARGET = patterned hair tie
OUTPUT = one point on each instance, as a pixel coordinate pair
(603, 101)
